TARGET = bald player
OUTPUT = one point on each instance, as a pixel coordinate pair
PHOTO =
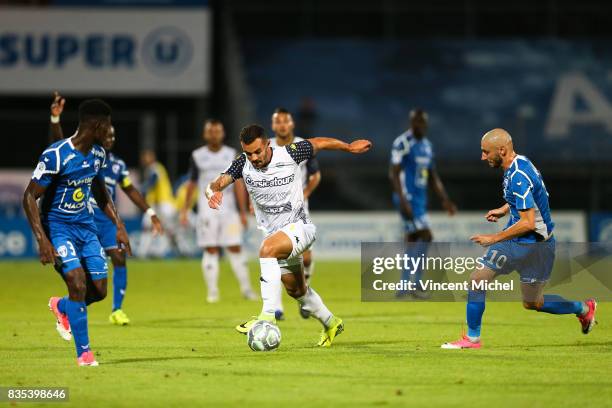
(526, 244)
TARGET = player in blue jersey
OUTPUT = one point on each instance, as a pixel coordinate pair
(115, 174)
(526, 244)
(67, 174)
(412, 172)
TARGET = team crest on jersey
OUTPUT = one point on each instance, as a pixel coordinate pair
(97, 165)
(116, 168)
(62, 251)
(78, 195)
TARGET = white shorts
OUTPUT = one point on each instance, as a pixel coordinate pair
(302, 237)
(219, 229)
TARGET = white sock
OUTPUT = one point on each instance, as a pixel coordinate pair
(210, 270)
(313, 303)
(308, 271)
(270, 283)
(241, 270)
(279, 299)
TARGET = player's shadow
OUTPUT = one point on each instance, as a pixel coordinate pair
(565, 345)
(154, 359)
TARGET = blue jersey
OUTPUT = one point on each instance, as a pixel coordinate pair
(115, 175)
(68, 174)
(416, 159)
(525, 189)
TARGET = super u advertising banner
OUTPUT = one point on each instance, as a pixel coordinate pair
(105, 50)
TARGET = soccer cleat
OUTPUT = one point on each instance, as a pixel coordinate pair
(329, 334)
(87, 359)
(303, 312)
(587, 321)
(62, 325)
(463, 343)
(119, 318)
(279, 315)
(212, 298)
(246, 326)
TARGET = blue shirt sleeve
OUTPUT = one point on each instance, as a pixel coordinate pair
(521, 187)
(46, 169)
(399, 149)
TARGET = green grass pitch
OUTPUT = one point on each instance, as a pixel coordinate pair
(180, 351)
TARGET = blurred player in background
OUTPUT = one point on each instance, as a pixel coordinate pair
(223, 228)
(526, 245)
(157, 190)
(412, 172)
(283, 127)
(274, 181)
(115, 173)
(67, 174)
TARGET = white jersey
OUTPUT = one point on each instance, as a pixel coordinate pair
(302, 164)
(206, 166)
(307, 167)
(276, 190)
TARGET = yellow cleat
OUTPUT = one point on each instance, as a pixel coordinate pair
(119, 318)
(246, 326)
(328, 334)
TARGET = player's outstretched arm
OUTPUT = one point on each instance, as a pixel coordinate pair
(329, 143)
(214, 190)
(437, 185)
(32, 193)
(140, 202)
(105, 203)
(55, 128)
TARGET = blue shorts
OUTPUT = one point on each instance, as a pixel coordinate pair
(107, 231)
(419, 222)
(533, 261)
(78, 246)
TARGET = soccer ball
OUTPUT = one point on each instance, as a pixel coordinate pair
(264, 336)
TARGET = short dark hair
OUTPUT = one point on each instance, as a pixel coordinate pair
(212, 121)
(93, 109)
(249, 133)
(282, 110)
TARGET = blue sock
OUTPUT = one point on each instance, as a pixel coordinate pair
(119, 286)
(77, 316)
(474, 310)
(61, 305)
(420, 250)
(555, 304)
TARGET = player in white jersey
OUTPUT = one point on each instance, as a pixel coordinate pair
(274, 181)
(283, 126)
(223, 228)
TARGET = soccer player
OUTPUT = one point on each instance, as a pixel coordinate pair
(412, 171)
(283, 126)
(223, 228)
(115, 174)
(67, 173)
(526, 245)
(274, 181)
(157, 190)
